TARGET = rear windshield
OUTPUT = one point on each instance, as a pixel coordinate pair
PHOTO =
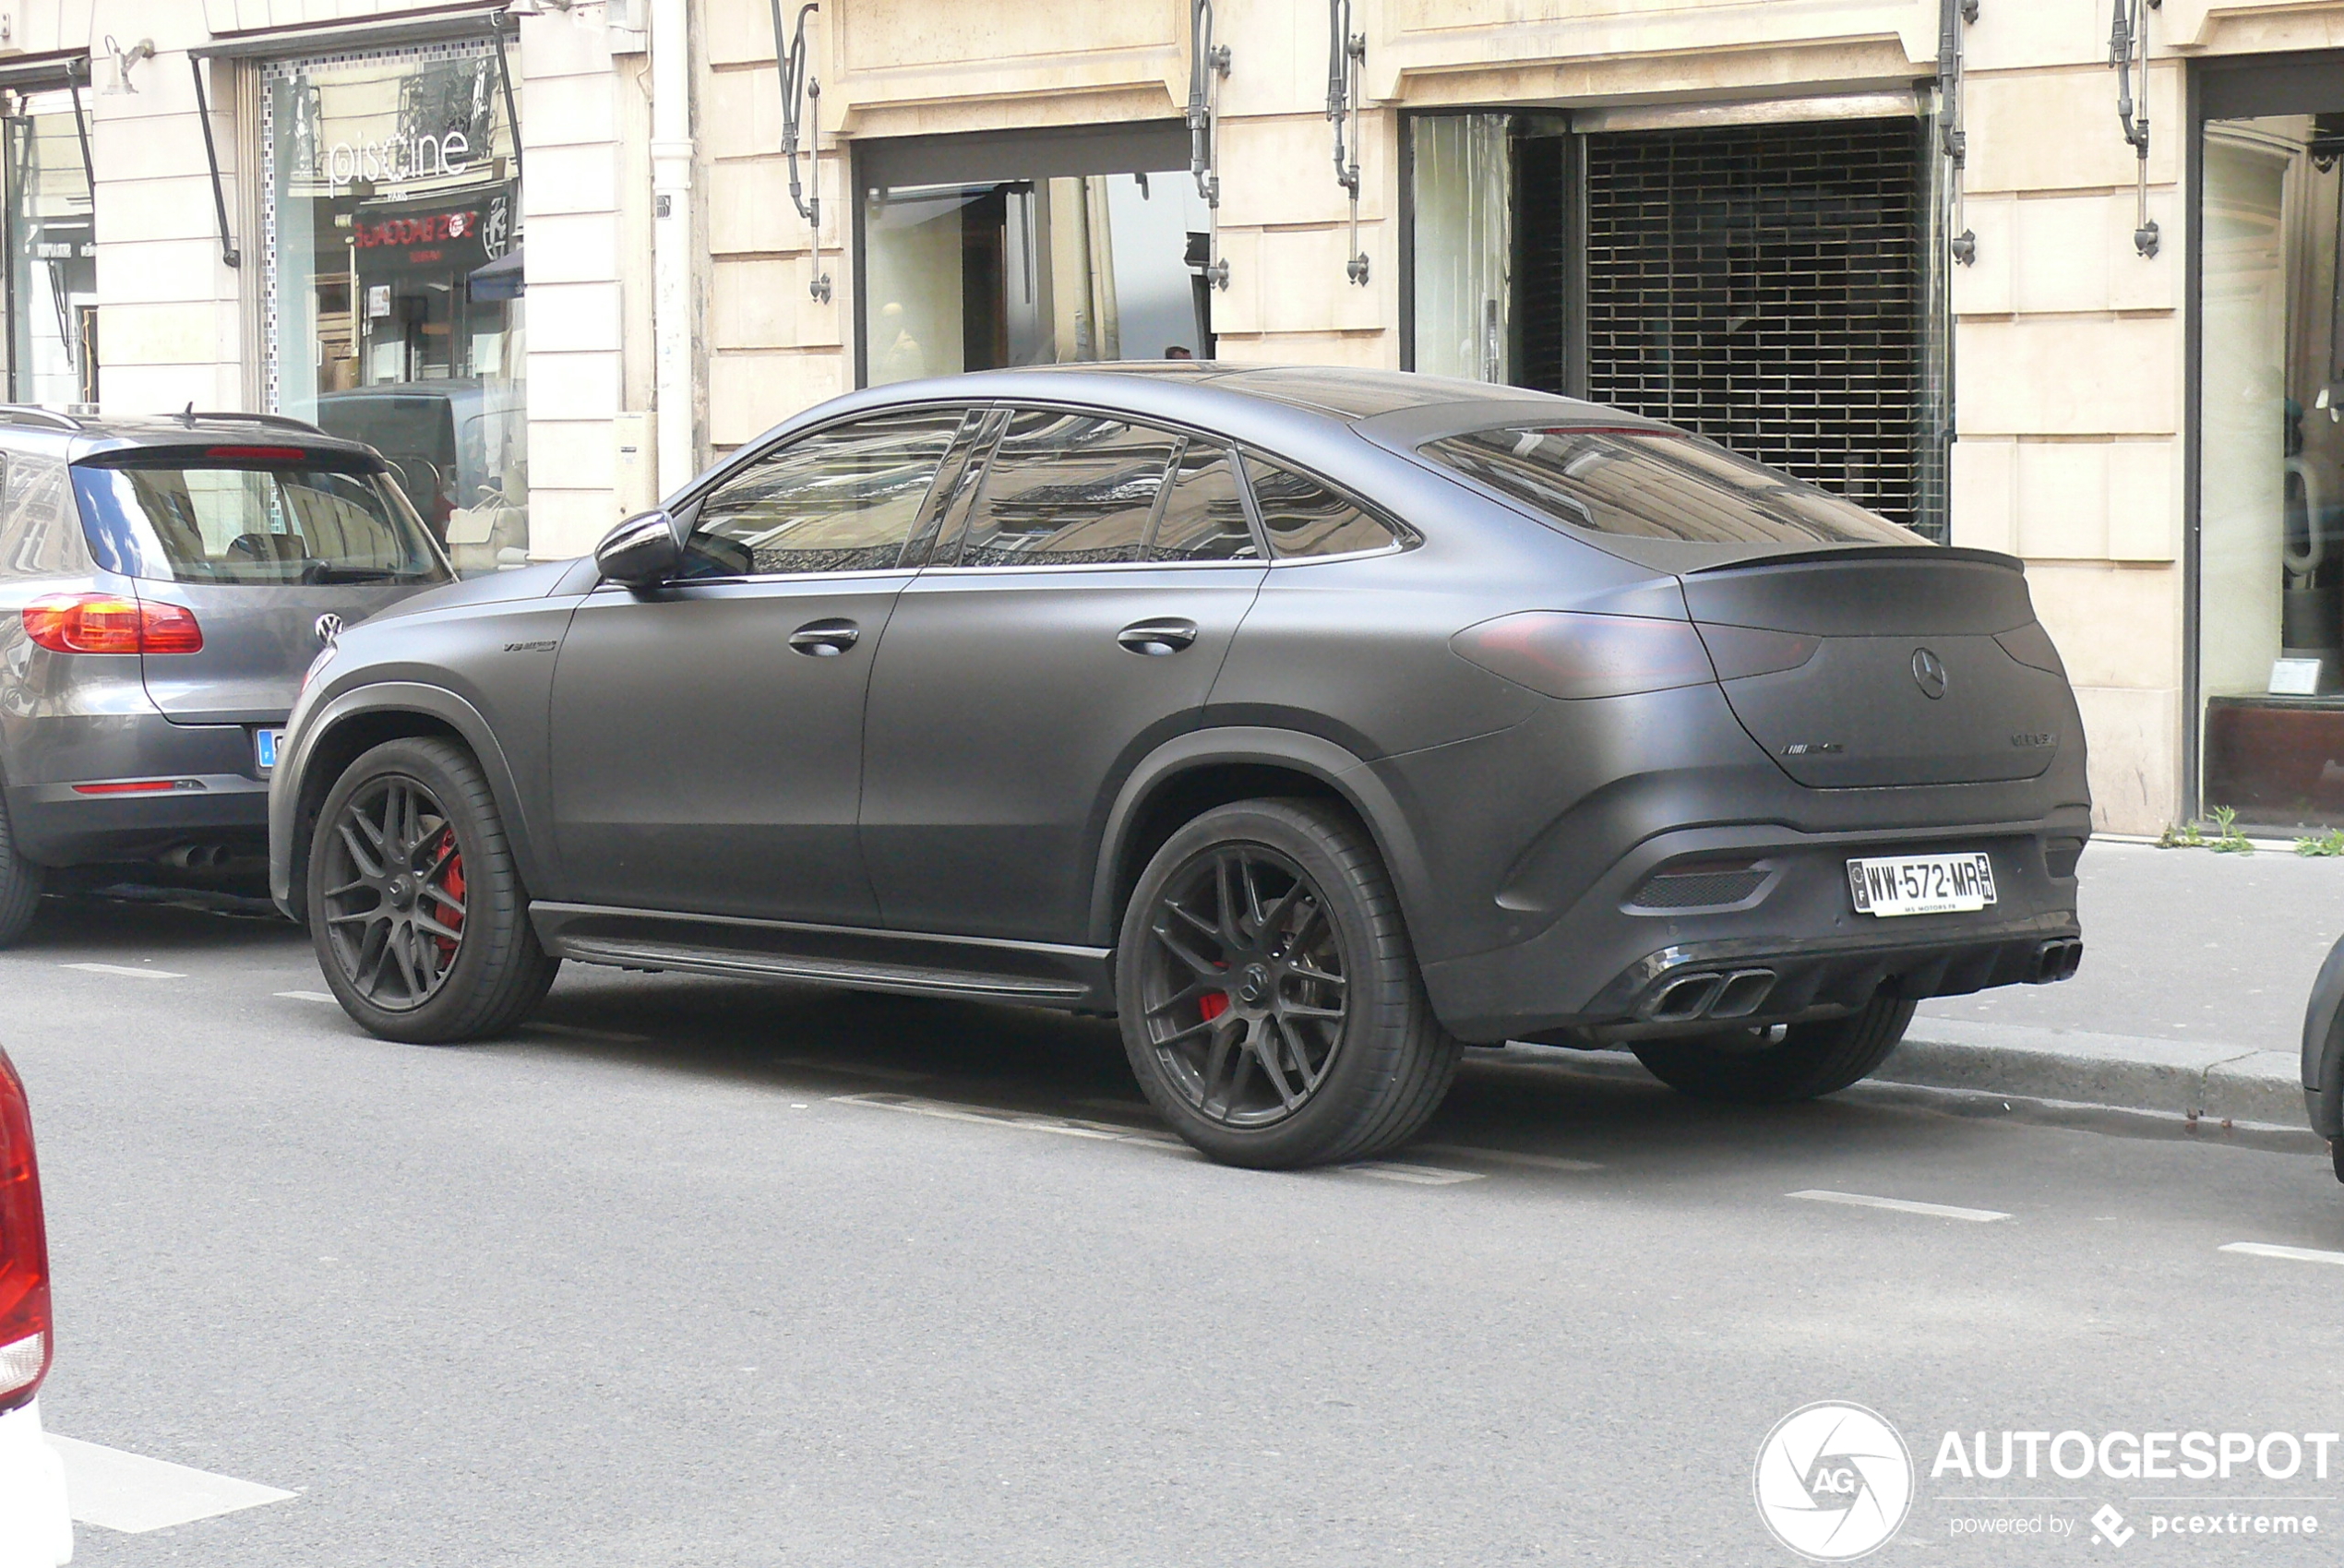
(250, 516)
(1658, 485)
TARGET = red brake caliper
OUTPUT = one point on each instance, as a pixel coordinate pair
(1213, 1004)
(452, 882)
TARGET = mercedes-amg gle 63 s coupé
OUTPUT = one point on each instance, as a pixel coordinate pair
(1313, 723)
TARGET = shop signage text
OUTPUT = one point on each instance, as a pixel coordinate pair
(393, 160)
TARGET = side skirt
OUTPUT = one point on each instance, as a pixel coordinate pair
(908, 963)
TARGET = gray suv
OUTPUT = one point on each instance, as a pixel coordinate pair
(164, 584)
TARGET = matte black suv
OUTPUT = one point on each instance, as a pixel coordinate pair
(1312, 721)
(162, 586)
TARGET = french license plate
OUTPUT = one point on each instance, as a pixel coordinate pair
(1922, 884)
(264, 748)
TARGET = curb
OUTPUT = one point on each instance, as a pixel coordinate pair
(2194, 1082)
(2197, 1081)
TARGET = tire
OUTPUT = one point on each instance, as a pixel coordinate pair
(1809, 1061)
(20, 882)
(416, 910)
(1331, 1051)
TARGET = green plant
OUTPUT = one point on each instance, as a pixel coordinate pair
(2230, 840)
(2226, 839)
(2327, 846)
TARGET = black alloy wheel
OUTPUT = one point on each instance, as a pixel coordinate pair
(1269, 999)
(394, 893)
(415, 906)
(1787, 1063)
(1243, 987)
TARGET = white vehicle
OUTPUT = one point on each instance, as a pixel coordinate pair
(35, 1531)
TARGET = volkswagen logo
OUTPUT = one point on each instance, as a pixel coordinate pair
(1833, 1482)
(329, 631)
(1928, 673)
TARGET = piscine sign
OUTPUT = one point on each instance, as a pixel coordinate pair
(394, 158)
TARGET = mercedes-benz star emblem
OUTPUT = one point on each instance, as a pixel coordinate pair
(328, 629)
(1928, 673)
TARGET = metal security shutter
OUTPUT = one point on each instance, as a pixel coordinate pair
(1761, 285)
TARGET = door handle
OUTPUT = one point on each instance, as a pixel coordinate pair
(825, 639)
(1158, 638)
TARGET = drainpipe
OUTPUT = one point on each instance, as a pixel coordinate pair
(672, 242)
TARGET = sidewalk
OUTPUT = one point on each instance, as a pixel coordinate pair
(2190, 1002)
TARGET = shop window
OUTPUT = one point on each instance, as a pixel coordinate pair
(52, 267)
(2270, 432)
(394, 280)
(1019, 255)
(1770, 287)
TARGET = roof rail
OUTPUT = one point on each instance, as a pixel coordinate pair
(282, 421)
(32, 413)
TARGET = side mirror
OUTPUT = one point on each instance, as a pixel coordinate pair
(642, 552)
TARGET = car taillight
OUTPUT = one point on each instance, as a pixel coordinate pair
(1742, 651)
(108, 622)
(26, 1342)
(1574, 655)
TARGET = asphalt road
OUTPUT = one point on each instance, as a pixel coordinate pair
(707, 1273)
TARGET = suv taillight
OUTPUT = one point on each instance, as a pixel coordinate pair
(25, 1338)
(108, 622)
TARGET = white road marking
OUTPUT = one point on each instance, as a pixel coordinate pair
(125, 969)
(1901, 1205)
(133, 1494)
(1066, 1126)
(309, 996)
(577, 1032)
(1503, 1157)
(855, 1069)
(1417, 1175)
(2293, 1254)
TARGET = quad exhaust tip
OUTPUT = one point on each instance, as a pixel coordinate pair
(2057, 960)
(1710, 994)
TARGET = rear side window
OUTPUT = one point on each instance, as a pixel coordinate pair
(1304, 518)
(1068, 489)
(1657, 485)
(1203, 514)
(847, 499)
(253, 515)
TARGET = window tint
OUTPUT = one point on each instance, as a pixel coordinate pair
(1659, 487)
(842, 500)
(1305, 518)
(1067, 489)
(1203, 516)
(306, 519)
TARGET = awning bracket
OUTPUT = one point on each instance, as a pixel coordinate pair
(228, 252)
(801, 114)
(1346, 62)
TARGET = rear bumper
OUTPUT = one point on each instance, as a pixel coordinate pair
(1610, 969)
(32, 1495)
(220, 799)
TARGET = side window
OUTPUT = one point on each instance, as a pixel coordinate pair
(1068, 489)
(1204, 515)
(842, 500)
(1304, 518)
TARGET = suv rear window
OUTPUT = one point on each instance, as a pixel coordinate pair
(1657, 485)
(253, 515)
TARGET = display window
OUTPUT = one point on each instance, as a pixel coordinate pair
(2270, 447)
(53, 265)
(985, 252)
(394, 276)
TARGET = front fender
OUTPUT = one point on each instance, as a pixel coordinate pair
(2324, 1048)
(1315, 755)
(292, 789)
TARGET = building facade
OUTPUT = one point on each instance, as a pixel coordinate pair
(552, 256)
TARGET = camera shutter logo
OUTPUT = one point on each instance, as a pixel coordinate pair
(1833, 1482)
